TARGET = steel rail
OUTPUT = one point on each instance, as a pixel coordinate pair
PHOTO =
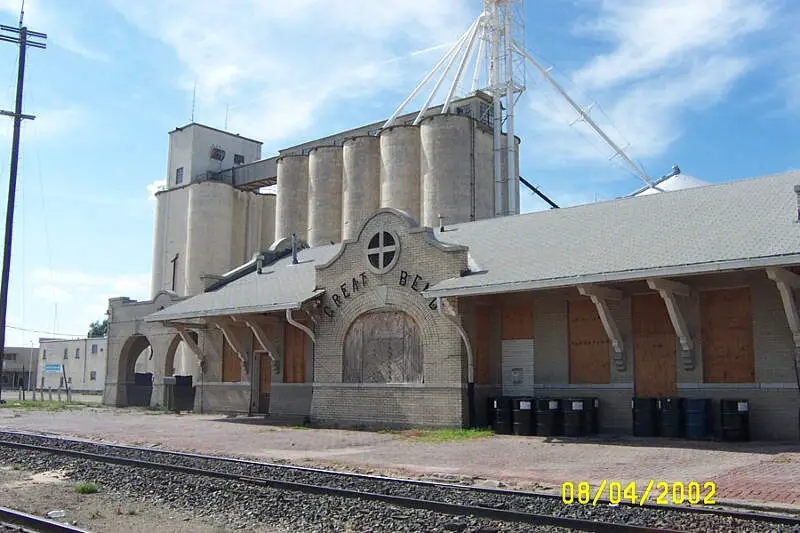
(488, 512)
(29, 522)
(719, 510)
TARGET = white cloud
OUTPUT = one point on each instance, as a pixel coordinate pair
(665, 59)
(60, 25)
(154, 187)
(282, 64)
(651, 36)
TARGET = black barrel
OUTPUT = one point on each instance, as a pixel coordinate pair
(523, 416)
(671, 419)
(645, 417)
(548, 417)
(698, 418)
(591, 425)
(501, 415)
(735, 419)
(575, 417)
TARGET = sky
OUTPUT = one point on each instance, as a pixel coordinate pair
(709, 85)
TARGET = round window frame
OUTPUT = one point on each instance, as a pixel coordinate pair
(388, 268)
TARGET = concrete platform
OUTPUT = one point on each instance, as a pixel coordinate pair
(751, 474)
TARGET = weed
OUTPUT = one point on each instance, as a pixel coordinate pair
(445, 435)
(85, 487)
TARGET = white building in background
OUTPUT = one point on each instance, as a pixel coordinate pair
(84, 362)
(17, 365)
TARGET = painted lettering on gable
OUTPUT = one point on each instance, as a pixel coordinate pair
(358, 283)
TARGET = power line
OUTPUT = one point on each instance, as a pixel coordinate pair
(27, 330)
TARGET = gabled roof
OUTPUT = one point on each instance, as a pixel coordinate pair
(280, 286)
(741, 224)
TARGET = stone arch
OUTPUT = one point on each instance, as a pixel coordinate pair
(137, 391)
(170, 366)
(382, 346)
(436, 334)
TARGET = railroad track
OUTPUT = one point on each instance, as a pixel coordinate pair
(506, 506)
(12, 520)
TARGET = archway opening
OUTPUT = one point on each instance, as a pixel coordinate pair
(181, 364)
(137, 367)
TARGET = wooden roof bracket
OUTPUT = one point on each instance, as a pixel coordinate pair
(234, 343)
(599, 296)
(257, 327)
(185, 337)
(788, 281)
(668, 289)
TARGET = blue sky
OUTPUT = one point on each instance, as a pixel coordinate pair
(710, 85)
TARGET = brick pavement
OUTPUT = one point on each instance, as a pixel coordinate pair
(753, 473)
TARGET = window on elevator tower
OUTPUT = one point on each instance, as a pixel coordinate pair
(179, 176)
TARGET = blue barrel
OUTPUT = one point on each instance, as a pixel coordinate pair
(500, 415)
(699, 423)
(549, 417)
(734, 419)
(523, 416)
(671, 413)
(574, 413)
(645, 417)
(592, 405)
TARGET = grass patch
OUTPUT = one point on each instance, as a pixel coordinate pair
(85, 487)
(299, 426)
(45, 405)
(444, 435)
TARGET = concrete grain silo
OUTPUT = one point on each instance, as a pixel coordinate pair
(361, 187)
(484, 174)
(324, 195)
(291, 210)
(241, 236)
(447, 169)
(400, 169)
(209, 232)
(268, 202)
(159, 236)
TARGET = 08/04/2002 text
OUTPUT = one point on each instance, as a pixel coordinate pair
(660, 492)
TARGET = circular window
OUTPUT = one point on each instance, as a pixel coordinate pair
(382, 251)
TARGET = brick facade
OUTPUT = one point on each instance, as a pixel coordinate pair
(773, 396)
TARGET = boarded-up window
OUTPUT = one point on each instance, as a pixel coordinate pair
(588, 344)
(231, 365)
(727, 331)
(517, 321)
(383, 347)
(483, 345)
(294, 355)
(654, 347)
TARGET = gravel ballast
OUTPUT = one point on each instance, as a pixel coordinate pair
(295, 510)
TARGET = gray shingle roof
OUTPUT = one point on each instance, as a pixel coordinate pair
(738, 224)
(280, 286)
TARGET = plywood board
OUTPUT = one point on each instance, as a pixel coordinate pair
(383, 347)
(727, 336)
(589, 355)
(654, 347)
(483, 345)
(294, 355)
(231, 365)
(518, 321)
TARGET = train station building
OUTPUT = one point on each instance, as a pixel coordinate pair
(686, 293)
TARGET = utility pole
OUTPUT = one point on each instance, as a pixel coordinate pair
(18, 36)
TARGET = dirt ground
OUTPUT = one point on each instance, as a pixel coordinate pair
(39, 494)
(753, 473)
